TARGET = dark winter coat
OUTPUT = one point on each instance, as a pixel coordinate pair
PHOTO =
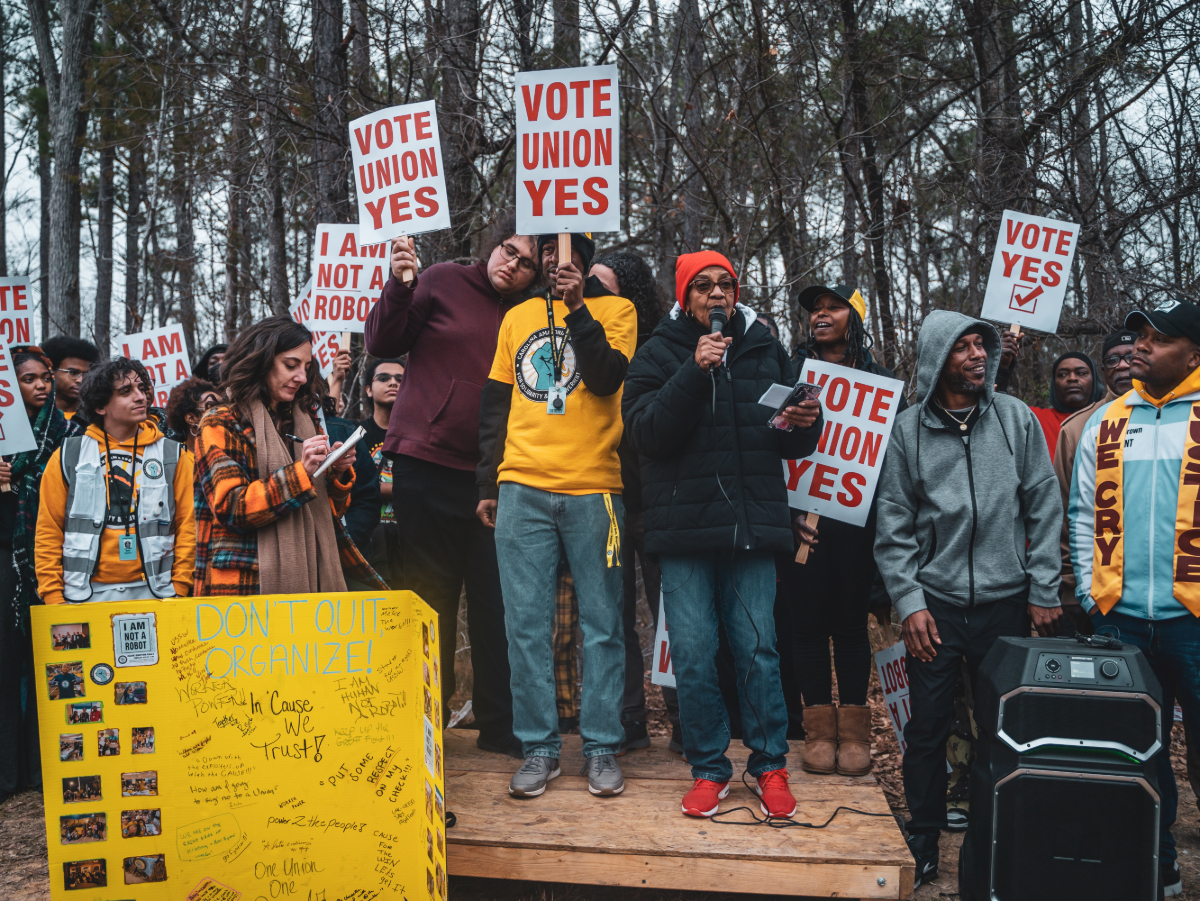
(711, 466)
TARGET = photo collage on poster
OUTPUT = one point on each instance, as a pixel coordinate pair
(91, 699)
(435, 804)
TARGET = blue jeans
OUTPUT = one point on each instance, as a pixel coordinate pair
(699, 594)
(1172, 647)
(531, 527)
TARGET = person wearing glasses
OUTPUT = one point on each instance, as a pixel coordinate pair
(550, 485)
(70, 359)
(446, 320)
(383, 378)
(715, 511)
(1118, 378)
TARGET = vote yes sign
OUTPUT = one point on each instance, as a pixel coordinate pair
(1028, 280)
(348, 279)
(325, 344)
(16, 435)
(14, 310)
(838, 479)
(569, 153)
(164, 354)
(398, 173)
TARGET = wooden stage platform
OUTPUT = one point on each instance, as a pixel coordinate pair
(641, 838)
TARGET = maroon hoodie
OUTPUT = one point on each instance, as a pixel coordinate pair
(447, 321)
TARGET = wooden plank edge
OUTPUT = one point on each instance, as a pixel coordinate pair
(683, 873)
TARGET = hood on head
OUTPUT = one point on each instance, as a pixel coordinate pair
(1099, 388)
(749, 315)
(939, 331)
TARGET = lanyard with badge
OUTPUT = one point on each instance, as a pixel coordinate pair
(126, 544)
(556, 395)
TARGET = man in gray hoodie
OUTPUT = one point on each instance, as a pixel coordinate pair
(967, 542)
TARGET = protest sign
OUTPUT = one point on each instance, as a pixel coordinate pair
(661, 671)
(348, 279)
(325, 344)
(279, 747)
(569, 154)
(893, 678)
(14, 311)
(16, 434)
(164, 354)
(1028, 280)
(398, 173)
(838, 479)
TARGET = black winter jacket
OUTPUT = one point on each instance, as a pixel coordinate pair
(668, 408)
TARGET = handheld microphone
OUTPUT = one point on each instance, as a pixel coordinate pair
(717, 318)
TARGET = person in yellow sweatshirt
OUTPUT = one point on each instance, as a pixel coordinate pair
(116, 519)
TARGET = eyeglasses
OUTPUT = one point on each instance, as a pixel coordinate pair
(1113, 361)
(525, 264)
(705, 285)
(396, 377)
(73, 373)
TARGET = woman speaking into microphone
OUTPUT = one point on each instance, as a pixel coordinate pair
(716, 513)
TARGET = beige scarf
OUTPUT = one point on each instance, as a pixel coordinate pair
(297, 553)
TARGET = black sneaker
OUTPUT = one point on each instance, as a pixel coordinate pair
(1172, 881)
(636, 737)
(956, 816)
(924, 849)
(568, 725)
(676, 743)
(509, 745)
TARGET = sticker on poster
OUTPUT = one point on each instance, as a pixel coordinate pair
(135, 639)
(430, 747)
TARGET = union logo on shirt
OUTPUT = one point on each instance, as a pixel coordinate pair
(535, 365)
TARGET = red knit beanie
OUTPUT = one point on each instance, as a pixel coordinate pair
(690, 264)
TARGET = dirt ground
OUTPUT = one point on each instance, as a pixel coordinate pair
(24, 872)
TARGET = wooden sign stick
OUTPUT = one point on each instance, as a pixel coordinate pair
(1015, 328)
(564, 248)
(6, 488)
(810, 520)
(407, 275)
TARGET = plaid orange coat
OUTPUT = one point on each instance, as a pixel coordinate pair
(232, 503)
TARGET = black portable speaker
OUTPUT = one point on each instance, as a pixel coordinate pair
(1064, 792)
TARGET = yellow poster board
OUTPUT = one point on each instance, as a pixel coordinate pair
(216, 749)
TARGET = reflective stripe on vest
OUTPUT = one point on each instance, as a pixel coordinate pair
(87, 509)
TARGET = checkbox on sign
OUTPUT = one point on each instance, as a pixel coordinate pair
(1024, 298)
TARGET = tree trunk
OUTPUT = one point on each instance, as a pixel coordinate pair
(3, 149)
(361, 49)
(693, 46)
(566, 33)
(458, 115)
(332, 125)
(68, 121)
(185, 237)
(233, 238)
(44, 182)
(276, 231)
(877, 222)
(133, 227)
(524, 15)
(102, 323)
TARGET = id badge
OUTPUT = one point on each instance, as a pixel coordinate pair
(127, 547)
(556, 401)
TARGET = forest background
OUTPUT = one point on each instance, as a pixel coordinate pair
(168, 160)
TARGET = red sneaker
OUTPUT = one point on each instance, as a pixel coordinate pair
(777, 800)
(704, 798)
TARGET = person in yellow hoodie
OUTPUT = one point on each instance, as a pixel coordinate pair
(116, 519)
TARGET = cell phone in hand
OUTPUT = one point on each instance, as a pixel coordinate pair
(802, 392)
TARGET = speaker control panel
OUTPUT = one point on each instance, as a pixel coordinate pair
(1082, 670)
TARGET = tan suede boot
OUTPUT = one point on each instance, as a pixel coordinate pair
(820, 743)
(854, 740)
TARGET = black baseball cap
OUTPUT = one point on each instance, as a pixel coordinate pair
(1175, 317)
(1117, 339)
(809, 296)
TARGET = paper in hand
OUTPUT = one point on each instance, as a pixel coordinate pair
(337, 454)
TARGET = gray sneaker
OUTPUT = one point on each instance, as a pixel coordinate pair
(604, 775)
(530, 780)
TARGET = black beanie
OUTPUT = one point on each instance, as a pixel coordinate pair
(580, 241)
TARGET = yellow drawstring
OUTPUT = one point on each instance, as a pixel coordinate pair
(614, 534)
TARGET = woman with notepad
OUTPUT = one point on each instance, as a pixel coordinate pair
(270, 491)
